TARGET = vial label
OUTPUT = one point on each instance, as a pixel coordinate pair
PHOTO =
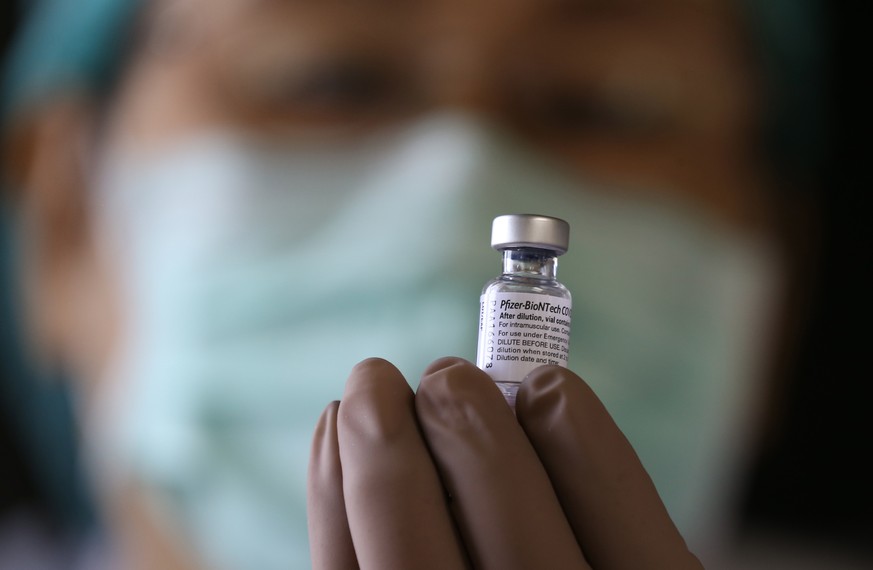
(521, 331)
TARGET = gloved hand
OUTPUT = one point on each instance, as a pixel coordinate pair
(448, 478)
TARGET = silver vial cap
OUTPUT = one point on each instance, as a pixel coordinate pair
(529, 230)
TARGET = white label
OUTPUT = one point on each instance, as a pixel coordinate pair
(521, 331)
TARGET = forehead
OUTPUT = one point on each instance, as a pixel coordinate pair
(478, 16)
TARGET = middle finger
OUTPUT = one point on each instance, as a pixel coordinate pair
(503, 500)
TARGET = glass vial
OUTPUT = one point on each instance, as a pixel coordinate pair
(524, 313)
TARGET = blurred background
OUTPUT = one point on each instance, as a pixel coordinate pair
(802, 497)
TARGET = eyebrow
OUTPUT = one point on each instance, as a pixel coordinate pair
(327, 3)
(577, 8)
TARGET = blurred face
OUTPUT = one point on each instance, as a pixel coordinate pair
(651, 99)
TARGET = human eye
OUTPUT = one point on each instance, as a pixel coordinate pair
(335, 88)
(574, 112)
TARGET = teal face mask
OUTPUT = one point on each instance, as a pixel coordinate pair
(257, 274)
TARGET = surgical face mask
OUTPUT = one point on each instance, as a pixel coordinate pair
(257, 274)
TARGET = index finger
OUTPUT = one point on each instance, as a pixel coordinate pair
(329, 539)
(394, 499)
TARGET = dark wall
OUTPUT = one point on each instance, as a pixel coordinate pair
(814, 478)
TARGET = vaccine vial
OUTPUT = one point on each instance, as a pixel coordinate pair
(524, 313)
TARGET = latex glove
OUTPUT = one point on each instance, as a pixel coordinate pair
(449, 478)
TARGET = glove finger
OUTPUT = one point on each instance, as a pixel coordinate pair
(609, 499)
(502, 500)
(330, 541)
(395, 502)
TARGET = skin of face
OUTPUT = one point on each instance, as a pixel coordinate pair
(655, 95)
